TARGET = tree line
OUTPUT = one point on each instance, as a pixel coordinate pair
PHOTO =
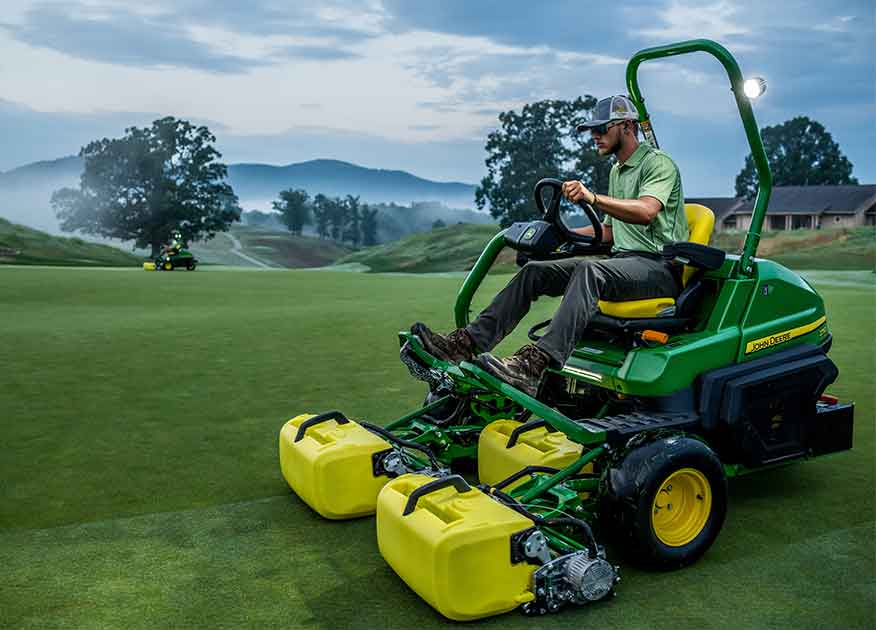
(167, 177)
(342, 219)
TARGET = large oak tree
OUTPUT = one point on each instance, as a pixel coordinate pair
(539, 141)
(149, 183)
(800, 152)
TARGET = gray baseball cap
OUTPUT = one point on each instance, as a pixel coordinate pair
(612, 108)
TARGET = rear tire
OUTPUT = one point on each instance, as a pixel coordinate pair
(667, 500)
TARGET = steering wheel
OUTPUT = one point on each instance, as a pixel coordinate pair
(552, 215)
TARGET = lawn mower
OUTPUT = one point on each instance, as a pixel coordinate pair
(175, 259)
(631, 441)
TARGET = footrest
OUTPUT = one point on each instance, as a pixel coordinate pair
(328, 461)
(622, 427)
(452, 545)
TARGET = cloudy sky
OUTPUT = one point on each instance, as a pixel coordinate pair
(418, 85)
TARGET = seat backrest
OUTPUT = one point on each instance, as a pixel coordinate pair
(700, 221)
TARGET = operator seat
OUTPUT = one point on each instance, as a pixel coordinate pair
(700, 221)
(664, 314)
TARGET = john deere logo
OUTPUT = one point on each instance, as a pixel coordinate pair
(528, 234)
(784, 336)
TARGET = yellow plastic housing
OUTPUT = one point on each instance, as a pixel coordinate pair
(632, 309)
(331, 467)
(149, 266)
(454, 549)
(533, 448)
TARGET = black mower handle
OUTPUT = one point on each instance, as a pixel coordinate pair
(532, 425)
(337, 416)
(456, 481)
(552, 213)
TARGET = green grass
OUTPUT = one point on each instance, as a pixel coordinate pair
(457, 247)
(20, 245)
(140, 487)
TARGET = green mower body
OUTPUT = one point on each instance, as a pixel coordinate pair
(169, 261)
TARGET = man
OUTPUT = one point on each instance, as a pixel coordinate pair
(175, 246)
(644, 210)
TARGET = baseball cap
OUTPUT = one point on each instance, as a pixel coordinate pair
(617, 107)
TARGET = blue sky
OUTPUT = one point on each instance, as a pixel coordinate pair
(418, 85)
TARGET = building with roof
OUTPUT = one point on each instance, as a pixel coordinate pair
(799, 207)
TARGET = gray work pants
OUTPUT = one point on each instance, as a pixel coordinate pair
(582, 283)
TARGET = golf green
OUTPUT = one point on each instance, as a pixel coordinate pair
(139, 415)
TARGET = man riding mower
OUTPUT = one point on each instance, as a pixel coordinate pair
(645, 212)
(663, 373)
(173, 256)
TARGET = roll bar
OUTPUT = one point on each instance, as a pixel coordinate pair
(765, 178)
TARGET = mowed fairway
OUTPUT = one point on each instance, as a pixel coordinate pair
(140, 488)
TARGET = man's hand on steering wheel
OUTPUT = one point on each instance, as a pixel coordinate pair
(576, 191)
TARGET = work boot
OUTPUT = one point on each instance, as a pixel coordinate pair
(523, 369)
(453, 348)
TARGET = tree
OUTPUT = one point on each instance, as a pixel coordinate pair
(437, 224)
(800, 152)
(294, 210)
(369, 226)
(149, 183)
(352, 231)
(538, 142)
(337, 217)
(321, 205)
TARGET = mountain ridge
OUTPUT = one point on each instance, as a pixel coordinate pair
(25, 191)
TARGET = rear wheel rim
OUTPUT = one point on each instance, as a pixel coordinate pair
(681, 507)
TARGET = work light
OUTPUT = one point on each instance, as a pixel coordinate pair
(754, 87)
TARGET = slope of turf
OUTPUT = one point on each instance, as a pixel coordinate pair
(853, 248)
(453, 248)
(20, 245)
(276, 248)
(140, 412)
(457, 247)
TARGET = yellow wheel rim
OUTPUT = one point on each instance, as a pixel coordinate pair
(681, 507)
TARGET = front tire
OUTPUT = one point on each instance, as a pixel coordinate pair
(168, 266)
(668, 499)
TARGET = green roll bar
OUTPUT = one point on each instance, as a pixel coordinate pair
(765, 178)
(764, 184)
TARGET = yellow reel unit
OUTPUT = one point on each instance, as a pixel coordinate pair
(327, 460)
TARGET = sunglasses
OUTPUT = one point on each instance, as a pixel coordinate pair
(602, 129)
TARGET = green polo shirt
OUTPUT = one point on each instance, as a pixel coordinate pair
(648, 171)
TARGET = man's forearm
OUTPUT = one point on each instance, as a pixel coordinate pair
(641, 211)
(588, 230)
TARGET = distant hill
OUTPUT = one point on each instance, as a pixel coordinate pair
(25, 192)
(20, 245)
